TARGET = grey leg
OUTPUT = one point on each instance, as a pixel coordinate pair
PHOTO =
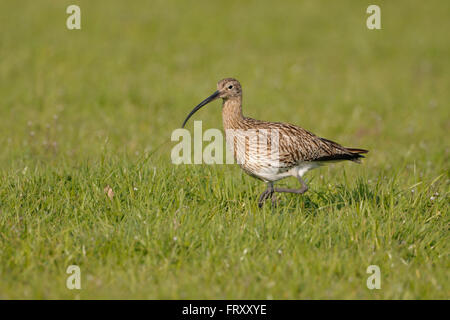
(269, 192)
(302, 190)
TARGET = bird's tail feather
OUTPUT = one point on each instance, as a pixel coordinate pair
(353, 154)
(357, 150)
(356, 153)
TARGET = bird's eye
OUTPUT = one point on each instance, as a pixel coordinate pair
(230, 87)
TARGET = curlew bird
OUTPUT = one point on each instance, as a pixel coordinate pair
(271, 151)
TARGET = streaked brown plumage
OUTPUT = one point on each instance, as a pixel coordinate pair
(272, 151)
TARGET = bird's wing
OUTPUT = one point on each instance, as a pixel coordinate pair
(296, 144)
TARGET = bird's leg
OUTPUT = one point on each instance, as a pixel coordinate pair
(302, 190)
(274, 199)
(269, 192)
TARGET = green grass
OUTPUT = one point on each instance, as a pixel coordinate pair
(82, 110)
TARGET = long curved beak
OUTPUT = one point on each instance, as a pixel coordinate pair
(212, 97)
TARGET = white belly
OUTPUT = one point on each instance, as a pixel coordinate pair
(250, 150)
(275, 174)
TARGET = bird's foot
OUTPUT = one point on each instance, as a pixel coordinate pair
(268, 193)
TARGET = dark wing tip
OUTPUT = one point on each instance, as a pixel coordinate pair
(341, 156)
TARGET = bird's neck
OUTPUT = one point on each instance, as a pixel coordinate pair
(232, 113)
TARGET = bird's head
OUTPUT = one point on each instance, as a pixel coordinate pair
(227, 88)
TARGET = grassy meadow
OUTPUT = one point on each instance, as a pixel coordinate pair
(84, 110)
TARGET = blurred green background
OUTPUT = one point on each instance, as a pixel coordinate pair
(87, 108)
